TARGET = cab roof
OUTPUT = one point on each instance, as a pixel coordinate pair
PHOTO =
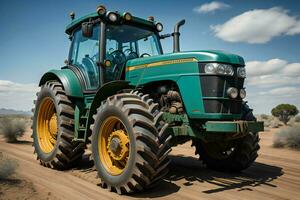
(92, 16)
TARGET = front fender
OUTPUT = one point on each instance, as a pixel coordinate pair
(67, 78)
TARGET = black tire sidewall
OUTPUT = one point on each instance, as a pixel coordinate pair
(228, 164)
(45, 92)
(123, 178)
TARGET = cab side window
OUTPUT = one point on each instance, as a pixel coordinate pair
(84, 55)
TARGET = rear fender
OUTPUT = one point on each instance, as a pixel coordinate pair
(67, 78)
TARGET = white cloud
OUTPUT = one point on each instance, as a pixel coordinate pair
(16, 95)
(272, 82)
(258, 26)
(282, 91)
(211, 7)
(9, 86)
(292, 69)
(273, 72)
(255, 68)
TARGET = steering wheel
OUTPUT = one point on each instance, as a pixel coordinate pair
(117, 57)
(127, 51)
(130, 54)
(145, 55)
(118, 60)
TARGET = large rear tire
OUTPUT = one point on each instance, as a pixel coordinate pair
(129, 143)
(230, 156)
(53, 128)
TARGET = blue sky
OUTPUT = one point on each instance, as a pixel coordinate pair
(265, 33)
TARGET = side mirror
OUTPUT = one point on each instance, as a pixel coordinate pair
(87, 29)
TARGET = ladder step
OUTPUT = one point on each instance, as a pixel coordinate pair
(81, 129)
(78, 140)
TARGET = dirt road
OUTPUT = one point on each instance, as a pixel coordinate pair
(275, 175)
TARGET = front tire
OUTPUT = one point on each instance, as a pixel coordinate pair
(129, 143)
(53, 128)
(230, 156)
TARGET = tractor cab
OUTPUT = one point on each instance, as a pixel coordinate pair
(103, 42)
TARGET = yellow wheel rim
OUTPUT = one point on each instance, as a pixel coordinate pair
(113, 145)
(47, 125)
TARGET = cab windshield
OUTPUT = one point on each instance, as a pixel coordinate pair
(130, 39)
(124, 42)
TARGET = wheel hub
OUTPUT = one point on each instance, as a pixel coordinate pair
(53, 125)
(115, 145)
(118, 145)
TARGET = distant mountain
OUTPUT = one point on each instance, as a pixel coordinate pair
(4, 111)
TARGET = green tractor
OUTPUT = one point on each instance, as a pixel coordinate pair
(127, 102)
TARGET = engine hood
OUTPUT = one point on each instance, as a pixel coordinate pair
(200, 56)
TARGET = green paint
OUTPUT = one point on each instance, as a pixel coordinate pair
(234, 126)
(200, 55)
(68, 79)
(185, 75)
(217, 129)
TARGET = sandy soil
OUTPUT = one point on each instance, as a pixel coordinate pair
(274, 175)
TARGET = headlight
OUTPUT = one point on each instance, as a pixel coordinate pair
(232, 92)
(243, 93)
(220, 69)
(241, 72)
(210, 68)
(127, 16)
(159, 27)
(101, 10)
(113, 17)
(229, 70)
(216, 68)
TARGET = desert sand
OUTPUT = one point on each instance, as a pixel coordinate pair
(274, 175)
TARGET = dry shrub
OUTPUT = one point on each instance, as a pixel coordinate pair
(288, 137)
(297, 119)
(12, 127)
(264, 117)
(7, 166)
(269, 121)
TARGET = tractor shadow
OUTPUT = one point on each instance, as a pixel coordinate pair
(192, 170)
(189, 171)
(25, 142)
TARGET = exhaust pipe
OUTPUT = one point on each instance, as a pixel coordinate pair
(176, 35)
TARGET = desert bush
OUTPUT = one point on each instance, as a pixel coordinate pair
(7, 166)
(12, 128)
(288, 137)
(269, 121)
(297, 119)
(274, 124)
(264, 117)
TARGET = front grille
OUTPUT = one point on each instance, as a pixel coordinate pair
(225, 106)
(215, 86)
(212, 86)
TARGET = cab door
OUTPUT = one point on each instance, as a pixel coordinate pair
(84, 54)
